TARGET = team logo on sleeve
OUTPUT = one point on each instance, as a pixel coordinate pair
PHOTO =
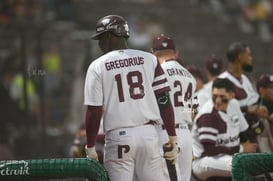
(235, 120)
(163, 100)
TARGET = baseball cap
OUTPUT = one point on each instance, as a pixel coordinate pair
(214, 64)
(265, 80)
(162, 42)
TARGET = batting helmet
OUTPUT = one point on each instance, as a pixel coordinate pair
(112, 23)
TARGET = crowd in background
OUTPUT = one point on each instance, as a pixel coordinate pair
(252, 16)
(35, 11)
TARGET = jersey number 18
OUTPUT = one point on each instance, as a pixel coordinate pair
(134, 80)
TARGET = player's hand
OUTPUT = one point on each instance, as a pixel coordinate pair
(259, 110)
(172, 155)
(91, 153)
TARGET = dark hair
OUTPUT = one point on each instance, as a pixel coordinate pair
(225, 83)
(234, 50)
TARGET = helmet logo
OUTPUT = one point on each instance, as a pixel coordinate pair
(126, 27)
(100, 29)
(215, 65)
(164, 44)
(105, 21)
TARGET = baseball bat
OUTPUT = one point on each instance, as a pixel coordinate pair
(170, 166)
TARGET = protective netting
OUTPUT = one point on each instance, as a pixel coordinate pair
(246, 165)
(46, 169)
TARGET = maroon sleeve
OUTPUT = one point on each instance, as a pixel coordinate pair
(213, 120)
(158, 72)
(167, 116)
(92, 124)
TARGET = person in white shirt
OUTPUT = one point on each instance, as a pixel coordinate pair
(183, 85)
(129, 90)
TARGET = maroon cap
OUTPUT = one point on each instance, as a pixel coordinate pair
(162, 42)
(265, 81)
(214, 65)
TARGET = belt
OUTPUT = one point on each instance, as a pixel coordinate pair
(179, 125)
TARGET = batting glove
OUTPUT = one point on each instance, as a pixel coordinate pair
(91, 153)
(172, 155)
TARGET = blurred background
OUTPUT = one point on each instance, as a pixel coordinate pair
(45, 51)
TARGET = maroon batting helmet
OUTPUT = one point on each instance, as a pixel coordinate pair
(112, 23)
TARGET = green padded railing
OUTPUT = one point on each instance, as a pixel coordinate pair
(52, 169)
(246, 165)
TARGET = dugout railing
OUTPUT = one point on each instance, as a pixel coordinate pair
(47, 169)
(247, 165)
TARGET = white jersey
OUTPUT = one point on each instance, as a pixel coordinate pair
(244, 91)
(183, 85)
(217, 127)
(125, 83)
(204, 94)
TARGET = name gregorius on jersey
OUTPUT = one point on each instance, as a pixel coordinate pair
(127, 62)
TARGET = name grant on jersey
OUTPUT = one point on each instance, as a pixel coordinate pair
(176, 71)
(12, 168)
(127, 62)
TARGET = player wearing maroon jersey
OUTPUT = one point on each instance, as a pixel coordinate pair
(132, 89)
(219, 131)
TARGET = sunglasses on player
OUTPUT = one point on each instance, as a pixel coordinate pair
(223, 99)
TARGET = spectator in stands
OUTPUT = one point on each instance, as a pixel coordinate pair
(13, 119)
(265, 89)
(213, 67)
(15, 82)
(239, 61)
(219, 131)
(258, 15)
(52, 65)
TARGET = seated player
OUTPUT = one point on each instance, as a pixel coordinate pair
(219, 131)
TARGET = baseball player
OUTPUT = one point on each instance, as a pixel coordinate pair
(217, 132)
(182, 85)
(264, 87)
(132, 89)
(240, 61)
